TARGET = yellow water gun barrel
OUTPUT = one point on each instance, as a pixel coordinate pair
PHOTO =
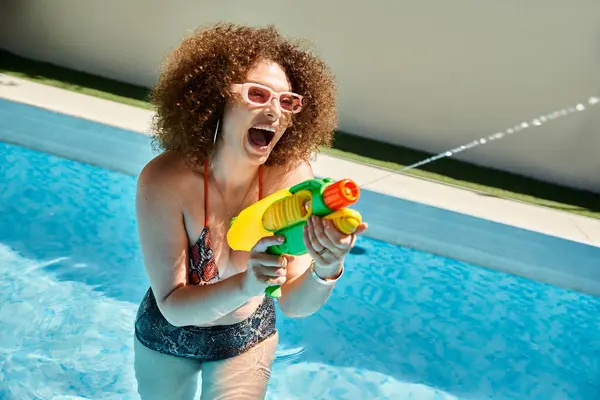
(345, 220)
(287, 211)
(297, 207)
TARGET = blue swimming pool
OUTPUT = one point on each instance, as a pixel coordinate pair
(402, 324)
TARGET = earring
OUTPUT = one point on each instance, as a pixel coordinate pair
(216, 131)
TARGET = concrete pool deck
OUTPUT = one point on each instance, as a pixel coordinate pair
(525, 216)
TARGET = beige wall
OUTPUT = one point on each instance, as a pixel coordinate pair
(430, 74)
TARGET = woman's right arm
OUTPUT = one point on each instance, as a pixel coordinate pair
(164, 244)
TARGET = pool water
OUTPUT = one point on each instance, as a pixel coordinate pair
(401, 324)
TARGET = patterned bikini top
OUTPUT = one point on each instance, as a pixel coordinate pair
(202, 264)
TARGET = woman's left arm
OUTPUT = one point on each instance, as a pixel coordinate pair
(312, 277)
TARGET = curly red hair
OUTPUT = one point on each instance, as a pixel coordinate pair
(192, 90)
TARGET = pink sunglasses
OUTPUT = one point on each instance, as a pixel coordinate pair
(255, 93)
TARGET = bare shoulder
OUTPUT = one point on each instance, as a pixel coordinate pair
(280, 177)
(302, 172)
(166, 177)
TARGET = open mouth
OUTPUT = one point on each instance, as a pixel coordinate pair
(261, 136)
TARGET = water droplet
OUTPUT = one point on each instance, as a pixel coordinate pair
(524, 125)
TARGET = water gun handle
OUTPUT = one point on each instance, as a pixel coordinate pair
(274, 291)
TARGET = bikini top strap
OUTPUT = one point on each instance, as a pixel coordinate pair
(205, 193)
(260, 185)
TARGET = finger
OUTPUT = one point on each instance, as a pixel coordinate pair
(270, 272)
(269, 260)
(310, 230)
(353, 241)
(337, 238)
(277, 281)
(310, 248)
(361, 228)
(322, 258)
(263, 244)
(270, 279)
(274, 281)
(320, 234)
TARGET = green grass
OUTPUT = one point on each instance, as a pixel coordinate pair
(487, 181)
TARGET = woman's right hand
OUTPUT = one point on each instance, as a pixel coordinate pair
(264, 269)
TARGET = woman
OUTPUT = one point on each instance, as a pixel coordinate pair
(239, 110)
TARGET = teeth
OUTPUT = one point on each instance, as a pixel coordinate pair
(265, 128)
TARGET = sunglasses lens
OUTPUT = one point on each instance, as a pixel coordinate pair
(258, 95)
(290, 103)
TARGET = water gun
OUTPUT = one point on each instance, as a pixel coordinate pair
(285, 213)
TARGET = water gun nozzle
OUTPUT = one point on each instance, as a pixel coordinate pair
(341, 194)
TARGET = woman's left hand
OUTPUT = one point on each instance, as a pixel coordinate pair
(327, 245)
